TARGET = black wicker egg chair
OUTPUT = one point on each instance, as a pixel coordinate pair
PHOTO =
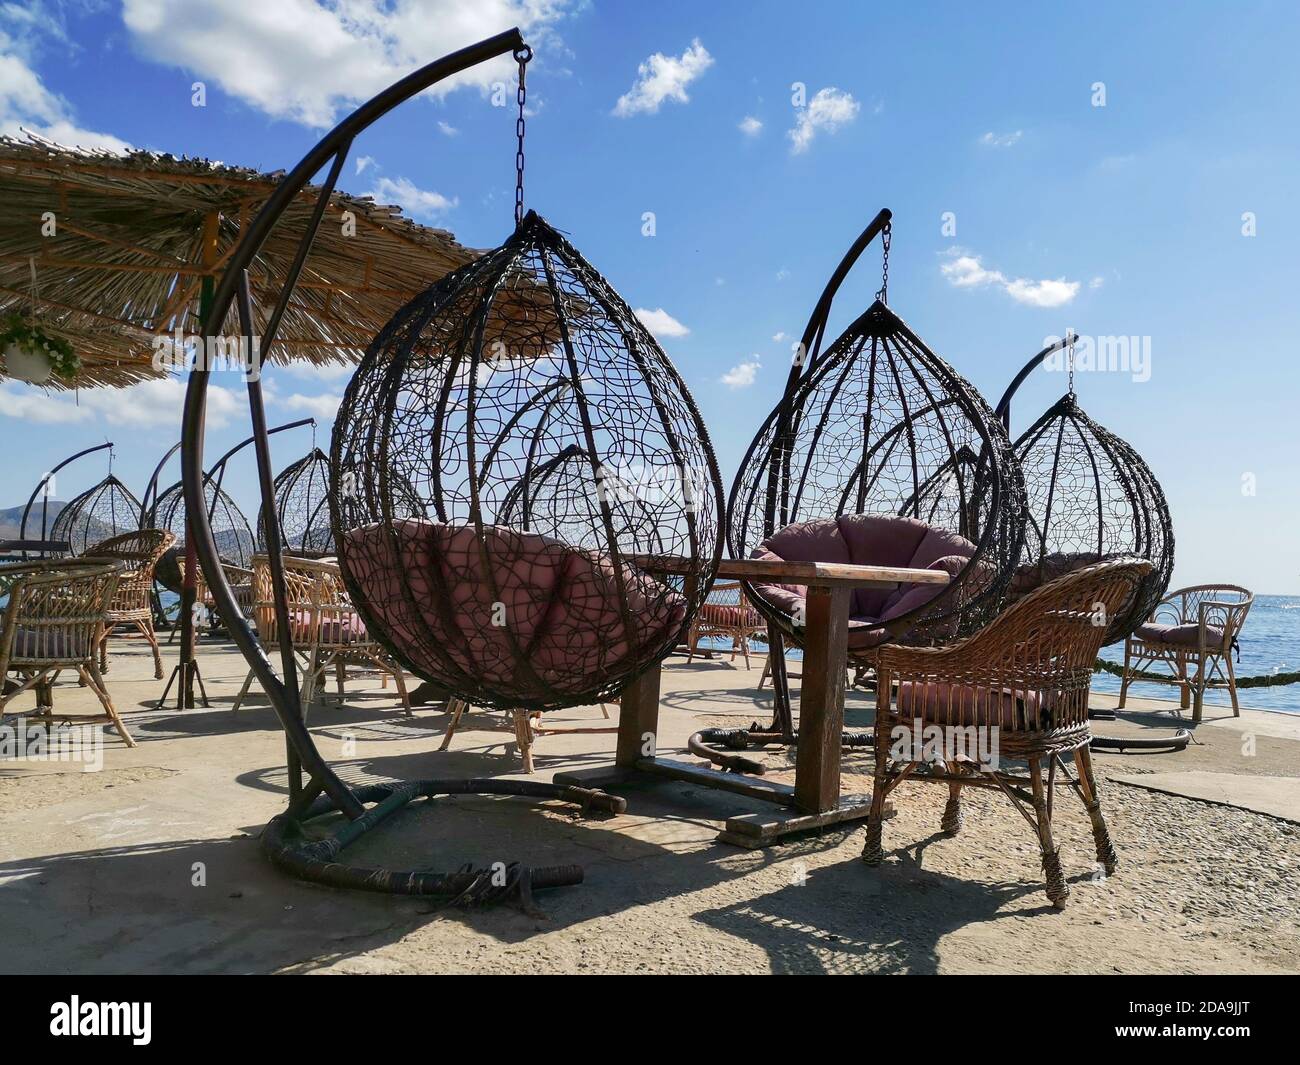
(302, 507)
(552, 446)
(881, 453)
(230, 529)
(107, 509)
(1090, 497)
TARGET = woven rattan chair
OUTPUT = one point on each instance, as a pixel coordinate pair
(325, 627)
(1192, 627)
(1018, 689)
(728, 614)
(54, 620)
(137, 553)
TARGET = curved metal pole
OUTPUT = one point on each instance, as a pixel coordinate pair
(334, 144)
(218, 468)
(151, 489)
(1003, 409)
(22, 528)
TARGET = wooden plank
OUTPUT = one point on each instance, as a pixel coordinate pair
(821, 700)
(810, 573)
(752, 787)
(769, 827)
(638, 718)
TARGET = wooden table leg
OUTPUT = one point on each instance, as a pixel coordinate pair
(638, 719)
(821, 699)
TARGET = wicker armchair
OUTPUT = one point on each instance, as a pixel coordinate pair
(726, 613)
(54, 620)
(137, 553)
(1195, 626)
(1018, 689)
(325, 627)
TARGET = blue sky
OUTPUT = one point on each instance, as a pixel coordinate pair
(1124, 219)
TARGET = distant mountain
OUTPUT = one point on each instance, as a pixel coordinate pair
(11, 519)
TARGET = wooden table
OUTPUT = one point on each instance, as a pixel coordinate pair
(815, 799)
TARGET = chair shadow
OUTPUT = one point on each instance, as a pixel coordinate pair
(852, 918)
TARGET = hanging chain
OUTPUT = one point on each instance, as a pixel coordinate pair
(885, 234)
(1069, 357)
(523, 54)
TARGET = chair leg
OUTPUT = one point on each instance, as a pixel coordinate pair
(1106, 856)
(146, 626)
(604, 711)
(103, 653)
(1057, 889)
(692, 638)
(873, 852)
(95, 683)
(1232, 684)
(1123, 684)
(248, 683)
(1198, 690)
(1185, 689)
(400, 682)
(457, 708)
(340, 675)
(744, 649)
(767, 672)
(952, 817)
(524, 736)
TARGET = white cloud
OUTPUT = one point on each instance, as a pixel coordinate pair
(447, 128)
(306, 60)
(1001, 140)
(364, 163)
(782, 274)
(826, 112)
(750, 126)
(39, 407)
(1096, 282)
(148, 405)
(663, 77)
(778, 337)
(324, 406)
(661, 323)
(422, 203)
(965, 270)
(25, 102)
(741, 376)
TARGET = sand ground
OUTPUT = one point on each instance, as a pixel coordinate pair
(152, 864)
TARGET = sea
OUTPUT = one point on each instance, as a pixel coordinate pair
(1270, 643)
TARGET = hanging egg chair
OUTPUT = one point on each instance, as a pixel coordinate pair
(512, 448)
(1091, 497)
(880, 453)
(107, 509)
(302, 507)
(230, 531)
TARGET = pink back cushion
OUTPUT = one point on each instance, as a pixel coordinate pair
(563, 625)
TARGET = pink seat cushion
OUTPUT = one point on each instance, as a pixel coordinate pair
(553, 625)
(729, 615)
(1180, 635)
(961, 705)
(56, 646)
(348, 629)
(866, 540)
(1046, 569)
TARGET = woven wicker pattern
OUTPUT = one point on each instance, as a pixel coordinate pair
(511, 438)
(137, 554)
(230, 529)
(1090, 498)
(879, 424)
(54, 620)
(303, 507)
(324, 626)
(1209, 618)
(106, 510)
(1018, 688)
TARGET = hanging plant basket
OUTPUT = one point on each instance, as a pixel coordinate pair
(32, 355)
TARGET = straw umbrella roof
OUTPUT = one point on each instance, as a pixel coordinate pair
(135, 234)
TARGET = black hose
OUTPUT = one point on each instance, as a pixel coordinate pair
(1177, 742)
(740, 739)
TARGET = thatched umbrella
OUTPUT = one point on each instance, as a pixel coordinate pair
(114, 250)
(122, 244)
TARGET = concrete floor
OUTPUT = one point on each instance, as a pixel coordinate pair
(152, 863)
